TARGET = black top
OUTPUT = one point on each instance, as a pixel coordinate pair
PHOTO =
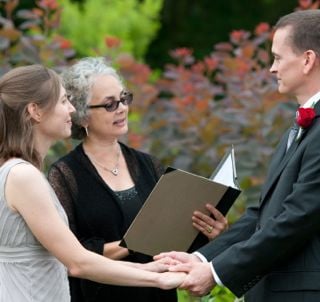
(98, 215)
(130, 203)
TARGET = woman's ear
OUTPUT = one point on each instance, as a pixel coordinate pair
(85, 122)
(34, 111)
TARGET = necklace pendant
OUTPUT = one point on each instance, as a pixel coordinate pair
(115, 171)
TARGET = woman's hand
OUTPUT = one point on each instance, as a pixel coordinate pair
(170, 280)
(210, 226)
(155, 266)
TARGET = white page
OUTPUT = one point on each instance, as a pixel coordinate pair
(226, 171)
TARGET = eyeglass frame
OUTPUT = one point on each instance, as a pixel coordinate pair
(126, 98)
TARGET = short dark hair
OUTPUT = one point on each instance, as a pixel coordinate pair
(305, 30)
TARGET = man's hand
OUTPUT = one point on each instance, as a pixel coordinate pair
(199, 280)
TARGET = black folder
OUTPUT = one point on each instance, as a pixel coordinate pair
(164, 222)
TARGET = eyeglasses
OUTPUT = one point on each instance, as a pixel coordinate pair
(112, 104)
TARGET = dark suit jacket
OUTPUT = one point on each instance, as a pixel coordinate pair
(273, 252)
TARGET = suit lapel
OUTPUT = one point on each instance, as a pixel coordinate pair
(279, 164)
(281, 161)
(278, 155)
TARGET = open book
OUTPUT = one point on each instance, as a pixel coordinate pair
(164, 222)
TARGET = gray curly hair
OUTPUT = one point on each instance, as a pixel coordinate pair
(78, 80)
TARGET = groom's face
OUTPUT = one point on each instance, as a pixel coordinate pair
(287, 65)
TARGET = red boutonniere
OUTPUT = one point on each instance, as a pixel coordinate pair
(304, 118)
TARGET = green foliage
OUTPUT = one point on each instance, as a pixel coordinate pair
(201, 24)
(135, 22)
(218, 294)
(29, 36)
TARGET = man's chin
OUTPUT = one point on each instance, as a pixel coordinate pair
(282, 90)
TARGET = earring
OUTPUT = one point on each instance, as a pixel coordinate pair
(86, 130)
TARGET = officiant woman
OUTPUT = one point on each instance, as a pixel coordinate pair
(103, 183)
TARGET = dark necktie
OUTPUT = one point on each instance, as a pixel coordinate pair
(292, 135)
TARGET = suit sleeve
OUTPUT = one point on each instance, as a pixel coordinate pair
(242, 264)
(244, 228)
(239, 231)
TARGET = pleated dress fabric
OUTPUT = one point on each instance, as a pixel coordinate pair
(28, 272)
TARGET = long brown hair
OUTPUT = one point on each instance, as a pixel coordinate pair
(19, 87)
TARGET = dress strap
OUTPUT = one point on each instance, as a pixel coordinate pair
(4, 171)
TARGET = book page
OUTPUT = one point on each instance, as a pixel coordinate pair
(225, 172)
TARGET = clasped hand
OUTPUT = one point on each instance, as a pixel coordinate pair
(198, 279)
(186, 271)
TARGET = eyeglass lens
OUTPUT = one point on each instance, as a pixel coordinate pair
(113, 104)
(125, 99)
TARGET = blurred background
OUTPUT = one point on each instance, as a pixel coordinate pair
(199, 71)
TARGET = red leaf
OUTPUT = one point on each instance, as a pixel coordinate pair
(112, 42)
(262, 28)
(305, 4)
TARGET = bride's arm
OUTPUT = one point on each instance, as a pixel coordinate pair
(28, 193)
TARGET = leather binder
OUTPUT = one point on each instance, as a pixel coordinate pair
(164, 222)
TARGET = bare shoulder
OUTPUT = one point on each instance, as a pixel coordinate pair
(25, 185)
(24, 173)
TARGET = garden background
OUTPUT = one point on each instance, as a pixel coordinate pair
(199, 71)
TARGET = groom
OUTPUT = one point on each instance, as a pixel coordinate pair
(272, 254)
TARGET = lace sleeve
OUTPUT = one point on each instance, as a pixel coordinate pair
(159, 168)
(62, 181)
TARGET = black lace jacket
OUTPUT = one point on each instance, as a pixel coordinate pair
(96, 216)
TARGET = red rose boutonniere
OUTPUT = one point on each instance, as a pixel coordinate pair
(304, 119)
(305, 116)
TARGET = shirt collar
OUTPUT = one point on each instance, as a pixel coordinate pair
(312, 101)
